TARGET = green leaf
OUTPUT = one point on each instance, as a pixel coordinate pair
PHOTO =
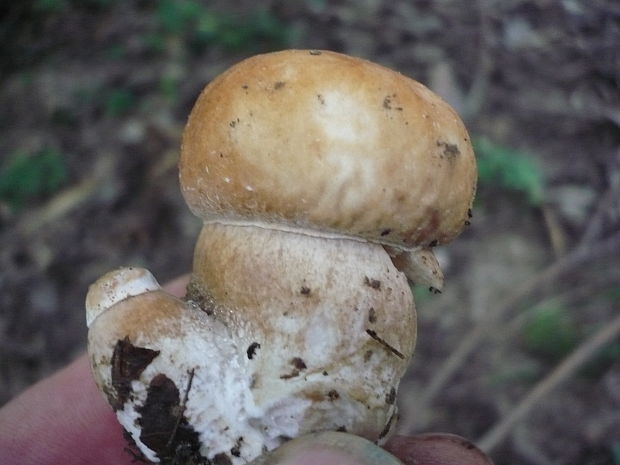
(199, 26)
(176, 16)
(118, 102)
(550, 332)
(25, 177)
(50, 6)
(615, 453)
(169, 87)
(508, 169)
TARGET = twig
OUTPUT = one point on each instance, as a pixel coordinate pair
(595, 222)
(577, 257)
(63, 202)
(568, 298)
(477, 93)
(526, 447)
(383, 342)
(562, 372)
(557, 236)
(58, 206)
(181, 413)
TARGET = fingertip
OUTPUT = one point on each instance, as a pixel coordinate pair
(61, 419)
(328, 448)
(437, 449)
(178, 286)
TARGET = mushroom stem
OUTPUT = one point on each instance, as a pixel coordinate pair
(312, 303)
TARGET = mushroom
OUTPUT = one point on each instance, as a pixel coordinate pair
(323, 182)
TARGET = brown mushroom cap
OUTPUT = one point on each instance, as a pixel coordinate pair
(331, 143)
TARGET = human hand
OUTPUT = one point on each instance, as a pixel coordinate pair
(65, 420)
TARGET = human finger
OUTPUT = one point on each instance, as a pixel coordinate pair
(328, 448)
(64, 419)
(436, 449)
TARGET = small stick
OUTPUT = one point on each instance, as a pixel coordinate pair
(373, 334)
(577, 258)
(182, 412)
(562, 372)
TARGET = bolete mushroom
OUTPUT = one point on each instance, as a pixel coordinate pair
(323, 182)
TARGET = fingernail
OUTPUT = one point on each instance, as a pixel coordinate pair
(328, 448)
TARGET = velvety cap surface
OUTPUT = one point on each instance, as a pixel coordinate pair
(328, 142)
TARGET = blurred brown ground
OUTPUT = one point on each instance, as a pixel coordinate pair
(106, 86)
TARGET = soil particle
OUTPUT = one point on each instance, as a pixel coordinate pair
(221, 459)
(374, 283)
(252, 350)
(298, 363)
(387, 103)
(128, 363)
(196, 294)
(450, 151)
(333, 395)
(164, 428)
(236, 450)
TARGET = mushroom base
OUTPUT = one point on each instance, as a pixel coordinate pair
(282, 334)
